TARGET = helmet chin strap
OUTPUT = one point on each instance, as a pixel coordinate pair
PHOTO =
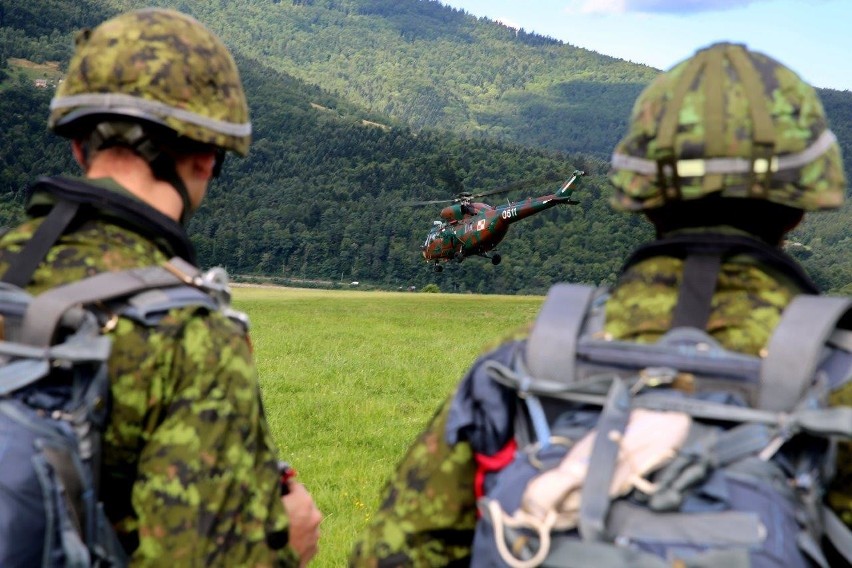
(163, 166)
(164, 169)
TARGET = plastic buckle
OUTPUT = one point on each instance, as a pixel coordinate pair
(760, 173)
(667, 177)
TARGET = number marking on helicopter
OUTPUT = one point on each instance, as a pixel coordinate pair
(509, 213)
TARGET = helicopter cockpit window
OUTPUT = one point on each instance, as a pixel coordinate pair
(433, 233)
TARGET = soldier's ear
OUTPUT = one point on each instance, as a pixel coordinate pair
(200, 165)
(81, 154)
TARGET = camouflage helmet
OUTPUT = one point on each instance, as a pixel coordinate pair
(158, 66)
(729, 121)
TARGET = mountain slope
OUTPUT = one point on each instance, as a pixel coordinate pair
(431, 66)
(339, 90)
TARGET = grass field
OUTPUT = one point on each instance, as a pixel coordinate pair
(49, 71)
(349, 378)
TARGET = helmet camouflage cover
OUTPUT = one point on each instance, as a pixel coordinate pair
(732, 121)
(160, 66)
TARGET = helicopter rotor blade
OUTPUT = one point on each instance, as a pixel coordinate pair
(521, 184)
(465, 196)
(432, 202)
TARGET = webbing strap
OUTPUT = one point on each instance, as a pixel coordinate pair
(834, 421)
(24, 264)
(552, 345)
(572, 553)
(764, 130)
(695, 295)
(44, 313)
(698, 167)
(534, 408)
(714, 117)
(795, 348)
(594, 497)
(667, 127)
(712, 528)
(685, 349)
(18, 374)
(841, 338)
(824, 422)
(538, 419)
(14, 409)
(680, 246)
(156, 108)
(64, 467)
(31, 364)
(838, 533)
(714, 97)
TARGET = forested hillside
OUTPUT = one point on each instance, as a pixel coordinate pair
(432, 66)
(357, 105)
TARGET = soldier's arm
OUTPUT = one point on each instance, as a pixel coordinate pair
(428, 509)
(840, 491)
(207, 488)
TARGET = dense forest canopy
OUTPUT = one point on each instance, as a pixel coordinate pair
(356, 104)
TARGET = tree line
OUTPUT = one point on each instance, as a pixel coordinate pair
(337, 155)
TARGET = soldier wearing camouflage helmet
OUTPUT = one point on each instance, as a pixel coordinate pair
(724, 154)
(151, 102)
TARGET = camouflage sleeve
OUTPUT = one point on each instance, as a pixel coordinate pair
(840, 491)
(205, 491)
(428, 512)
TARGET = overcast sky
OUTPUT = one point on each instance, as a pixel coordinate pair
(812, 37)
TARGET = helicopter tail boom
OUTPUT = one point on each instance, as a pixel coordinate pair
(564, 190)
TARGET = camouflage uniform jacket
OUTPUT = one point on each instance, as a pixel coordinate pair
(428, 514)
(189, 468)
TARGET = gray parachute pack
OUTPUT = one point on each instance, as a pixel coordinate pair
(676, 453)
(54, 402)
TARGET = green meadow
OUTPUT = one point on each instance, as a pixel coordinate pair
(350, 377)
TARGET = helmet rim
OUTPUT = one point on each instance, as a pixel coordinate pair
(162, 67)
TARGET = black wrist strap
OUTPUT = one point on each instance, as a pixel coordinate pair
(24, 264)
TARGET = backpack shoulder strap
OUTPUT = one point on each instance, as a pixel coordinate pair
(44, 313)
(695, 294)
(23, 265)
(837, 533)
(149, 307)
(796, 347)
(552, 344)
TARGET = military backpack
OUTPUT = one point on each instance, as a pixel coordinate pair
(677, 453)
(54, 398)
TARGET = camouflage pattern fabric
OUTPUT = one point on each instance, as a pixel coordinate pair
(189, 467)
(145, 64)
(840, 492)
(427, 514)
(746, 305)
(428, 511)
(713, 100)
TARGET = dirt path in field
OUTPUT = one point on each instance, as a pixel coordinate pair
(26, 63)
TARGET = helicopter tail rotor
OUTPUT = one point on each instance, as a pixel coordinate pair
(565, 190)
